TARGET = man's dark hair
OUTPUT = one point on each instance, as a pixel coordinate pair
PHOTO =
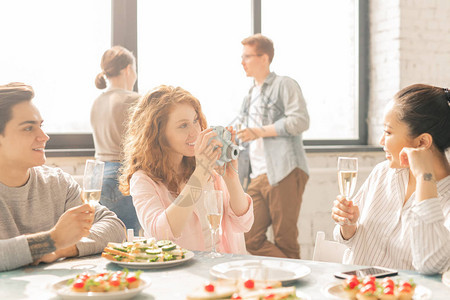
(11, 94)
(262, 44)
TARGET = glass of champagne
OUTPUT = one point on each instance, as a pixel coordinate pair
(92, 185)
(239, 127)
(92, 181)
(214, 210)
(347, 174)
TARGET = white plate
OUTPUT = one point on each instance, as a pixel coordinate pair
(446, 278)
(261, 270)
(335, 290)
(154, 265)
(64, 291)
(302, 295)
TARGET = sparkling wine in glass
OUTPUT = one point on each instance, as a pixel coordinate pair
(347, 174)
(92, 181)
(92, 184)
(213, 201)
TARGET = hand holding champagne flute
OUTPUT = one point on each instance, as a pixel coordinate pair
(347, 174)
(214, 210)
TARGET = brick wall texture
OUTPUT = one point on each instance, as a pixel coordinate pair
(409, 43)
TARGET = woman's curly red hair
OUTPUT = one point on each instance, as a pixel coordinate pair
(145, 146)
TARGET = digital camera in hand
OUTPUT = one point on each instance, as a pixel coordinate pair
(230, 151)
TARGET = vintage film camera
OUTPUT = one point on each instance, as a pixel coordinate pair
(230, 151)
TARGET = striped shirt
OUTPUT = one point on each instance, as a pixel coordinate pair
(415, 235)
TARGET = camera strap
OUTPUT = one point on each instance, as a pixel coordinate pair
(225, 168)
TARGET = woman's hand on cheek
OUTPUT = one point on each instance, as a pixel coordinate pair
(419, 160)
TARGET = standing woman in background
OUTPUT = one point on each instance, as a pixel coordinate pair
(108, 117)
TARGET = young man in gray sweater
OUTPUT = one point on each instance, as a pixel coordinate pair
(42, 217)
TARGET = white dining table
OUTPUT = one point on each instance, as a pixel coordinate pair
(175, 282)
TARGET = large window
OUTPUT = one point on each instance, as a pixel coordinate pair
(195, 45)
(316, 44)
(56, 46)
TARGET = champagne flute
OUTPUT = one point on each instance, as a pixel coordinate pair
(347, 174)
(92, 181)
(239, 127)
(92, 189)
(214, 210)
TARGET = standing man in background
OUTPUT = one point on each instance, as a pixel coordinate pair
(274, 115)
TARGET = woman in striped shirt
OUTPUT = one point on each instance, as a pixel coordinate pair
(400, 218)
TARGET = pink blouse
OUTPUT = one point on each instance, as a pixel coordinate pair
(151, 200)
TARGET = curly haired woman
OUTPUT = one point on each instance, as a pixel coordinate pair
(169, 160)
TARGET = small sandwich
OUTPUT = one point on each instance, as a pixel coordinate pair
(405, 290)
(387, 293)
(98, 284)
(220, 289)
(387, 289)
(244, 290)
(78, 286)
(252, 285)
(133, 280)
(367, 292)
(79, 283)
(117, 252)
(269, 293)
(351, 287)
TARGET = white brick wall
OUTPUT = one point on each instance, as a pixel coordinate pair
(384, 50)
(409, 43)
(425, 42)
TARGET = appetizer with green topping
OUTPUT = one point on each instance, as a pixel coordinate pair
(148, 250)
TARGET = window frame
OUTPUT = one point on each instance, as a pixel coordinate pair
(124, 32)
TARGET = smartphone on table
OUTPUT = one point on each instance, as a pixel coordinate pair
(377, 272)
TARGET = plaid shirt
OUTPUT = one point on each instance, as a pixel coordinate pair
(283, 106)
